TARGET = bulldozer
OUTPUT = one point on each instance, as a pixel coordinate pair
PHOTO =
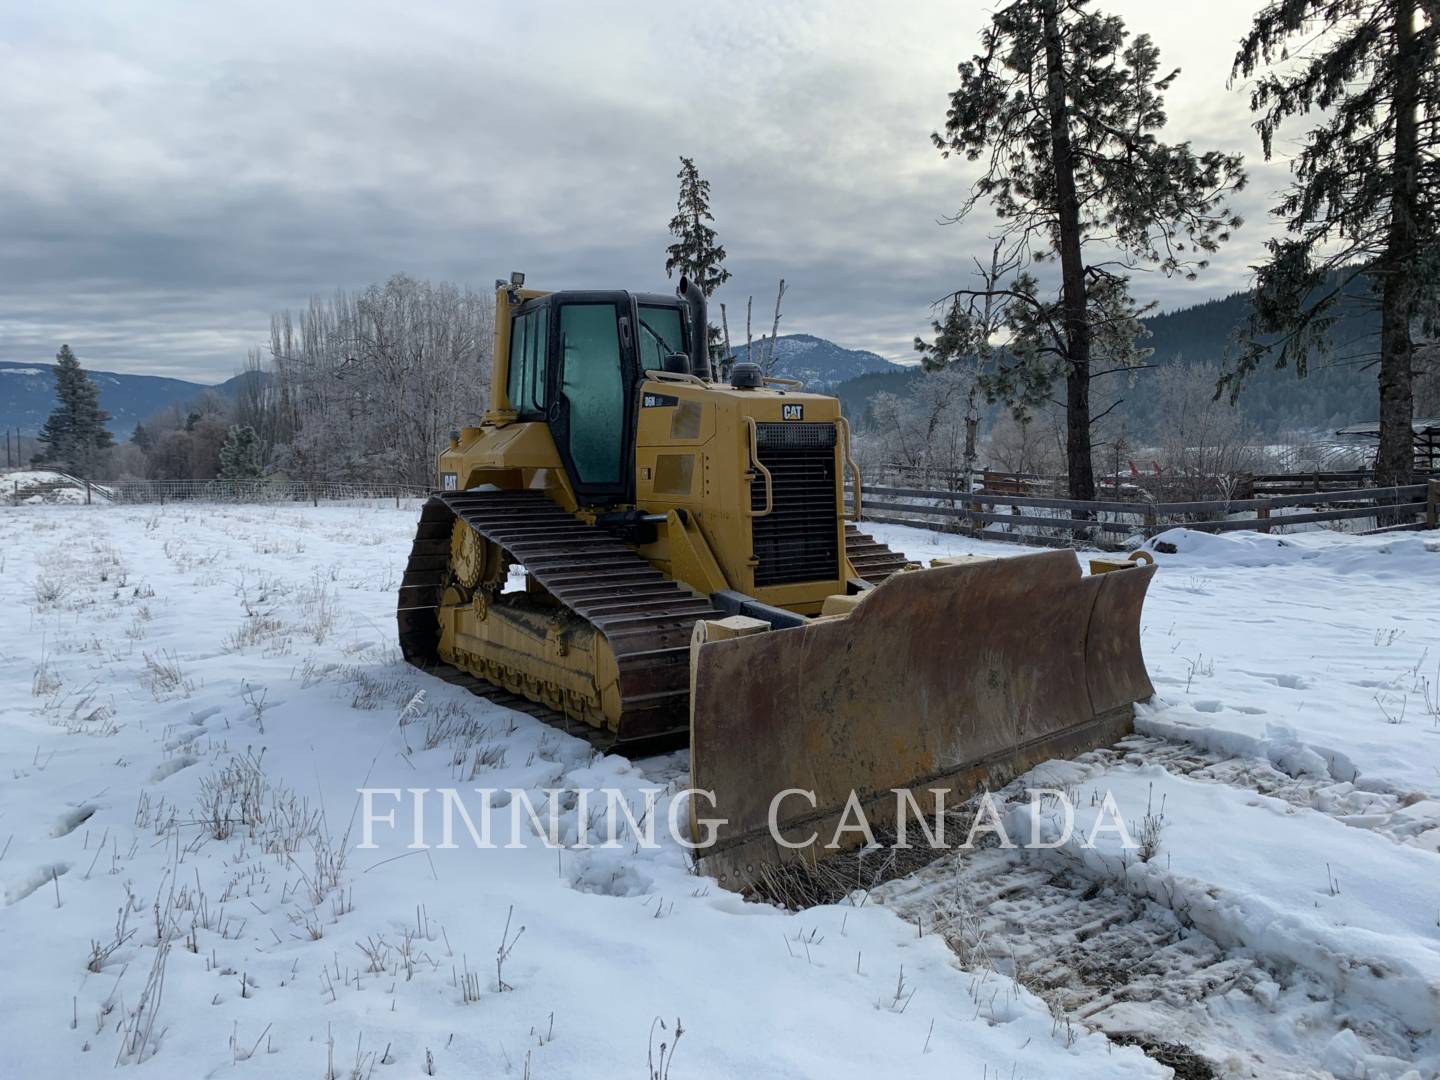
(638, 549)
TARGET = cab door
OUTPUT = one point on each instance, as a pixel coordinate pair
(590, 416)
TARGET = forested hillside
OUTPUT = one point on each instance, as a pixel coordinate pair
(27, 394)
(819, 364)
(1338, 389)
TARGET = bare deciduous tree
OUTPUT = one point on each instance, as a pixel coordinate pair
(1205, 444)
(368, 384)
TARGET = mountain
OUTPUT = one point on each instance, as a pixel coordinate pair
(1334, 393)
(821, 365)
(27, 391)
(27, 395)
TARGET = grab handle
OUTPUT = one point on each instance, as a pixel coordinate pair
(754, 434)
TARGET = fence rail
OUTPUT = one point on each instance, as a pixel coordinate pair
(1142, 485)
(1412, 506)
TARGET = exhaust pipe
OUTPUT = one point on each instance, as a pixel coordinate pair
(694, 299)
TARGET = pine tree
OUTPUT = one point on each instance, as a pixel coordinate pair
(1062, 107)
(695, 253)
(240, 455)
(74, 436)
(1364, 207)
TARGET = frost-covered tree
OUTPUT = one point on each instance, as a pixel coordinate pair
(925, 432)
(963, 339)
(74, 437)
(369, 384)
(240, 455)
(1362, 215)
(1205, 443)
(1062, 108)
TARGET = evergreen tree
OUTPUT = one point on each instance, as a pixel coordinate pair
(1365, 202)
(74, 436)
(1062, 107)
(240, 455)
(142, 438)
(695, 253)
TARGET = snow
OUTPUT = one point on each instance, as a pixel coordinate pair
(1305, 670)
(151, 651)
(1293, 749)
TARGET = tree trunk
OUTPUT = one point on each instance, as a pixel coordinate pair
(1072, 269)
(1396, 456)
(972, 425)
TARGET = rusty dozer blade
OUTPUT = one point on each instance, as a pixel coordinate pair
(957, 677)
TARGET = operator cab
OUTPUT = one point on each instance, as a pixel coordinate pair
(576, 361)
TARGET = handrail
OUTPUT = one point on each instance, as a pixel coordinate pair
(844, 425)
(674, 376)
(754, 433)
(777, 380)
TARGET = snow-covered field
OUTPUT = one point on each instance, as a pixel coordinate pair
(190, 696)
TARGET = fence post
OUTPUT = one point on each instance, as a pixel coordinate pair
(1263, 515)
(16, 499)
(87, 492)
(1432, 505)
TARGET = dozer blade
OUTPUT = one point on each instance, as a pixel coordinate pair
(958, 677)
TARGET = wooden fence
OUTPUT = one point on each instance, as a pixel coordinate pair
(1294, 483)
(1142, 485)
(1029, 519)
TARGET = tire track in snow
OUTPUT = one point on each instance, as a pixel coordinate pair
(1131, 968)
(1135, 968)
(1284, 768)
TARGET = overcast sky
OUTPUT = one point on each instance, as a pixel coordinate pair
(170, 174)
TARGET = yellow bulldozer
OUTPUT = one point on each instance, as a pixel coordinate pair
(635, 548)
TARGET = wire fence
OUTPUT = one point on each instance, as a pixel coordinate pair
(63, 488)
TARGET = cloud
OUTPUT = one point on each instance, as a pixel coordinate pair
(170, 174)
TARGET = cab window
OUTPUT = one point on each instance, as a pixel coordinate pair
(526, 385)
(660, 335)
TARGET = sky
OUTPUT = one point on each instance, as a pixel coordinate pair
(171, 174)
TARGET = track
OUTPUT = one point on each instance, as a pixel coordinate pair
(871, 559)
(646, 617)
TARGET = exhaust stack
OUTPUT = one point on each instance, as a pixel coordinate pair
(694, 299)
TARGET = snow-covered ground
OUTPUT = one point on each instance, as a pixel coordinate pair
(1294, 753)
(190, 696)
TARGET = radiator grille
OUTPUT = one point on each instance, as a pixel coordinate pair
(796, 541)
